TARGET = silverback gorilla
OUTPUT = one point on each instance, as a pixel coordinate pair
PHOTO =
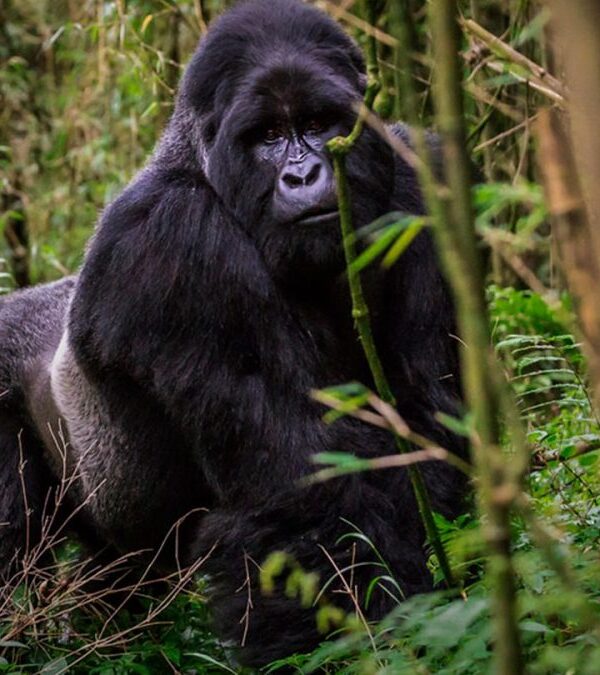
(212, 299)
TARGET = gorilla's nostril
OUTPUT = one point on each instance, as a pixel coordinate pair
(313, 174)
(292, 180)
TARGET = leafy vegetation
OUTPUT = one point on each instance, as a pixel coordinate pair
(84, 91)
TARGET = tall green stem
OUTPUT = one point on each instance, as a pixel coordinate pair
(498, 486)
(450, 207)
(339, 148)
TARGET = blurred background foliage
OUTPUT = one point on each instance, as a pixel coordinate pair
(85, 89)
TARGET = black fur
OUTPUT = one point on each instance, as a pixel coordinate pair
(198, 325)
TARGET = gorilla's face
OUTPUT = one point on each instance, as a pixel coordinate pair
(292, 148)
(275, 106)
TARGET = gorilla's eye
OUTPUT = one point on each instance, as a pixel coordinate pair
(315, 126)
(272, 134)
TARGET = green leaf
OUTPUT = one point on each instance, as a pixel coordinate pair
(12, 644)
(534, 627)
(60, 665)
(462, 427)
(383, 241)
(589, 459)
(404, 241)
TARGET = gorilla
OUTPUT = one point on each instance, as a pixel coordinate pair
(176, 366)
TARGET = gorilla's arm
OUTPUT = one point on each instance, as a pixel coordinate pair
(419, 348)
(419, 318)
(175, 299)
(310, 525)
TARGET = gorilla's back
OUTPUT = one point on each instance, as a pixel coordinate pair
(31, 325)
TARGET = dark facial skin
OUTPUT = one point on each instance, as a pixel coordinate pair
(304, 191)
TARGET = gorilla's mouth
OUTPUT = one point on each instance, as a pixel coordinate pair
(317, 217)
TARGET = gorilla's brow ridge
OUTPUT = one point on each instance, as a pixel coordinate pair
(261, 101)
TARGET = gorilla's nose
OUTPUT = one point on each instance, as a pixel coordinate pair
(306, 180)
(302, 174)
(305, 186)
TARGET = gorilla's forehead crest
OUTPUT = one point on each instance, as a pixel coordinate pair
(265, 33)
(281, 85)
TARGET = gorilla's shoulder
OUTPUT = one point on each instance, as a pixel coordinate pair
(402, 132)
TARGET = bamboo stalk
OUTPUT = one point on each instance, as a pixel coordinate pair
(571, 231)
(577, 216)
(339, 148)
(451, 212)
(497, 489)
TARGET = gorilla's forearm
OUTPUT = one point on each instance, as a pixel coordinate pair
(315, 523)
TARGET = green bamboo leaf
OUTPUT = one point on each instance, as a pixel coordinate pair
(383, 241)
(404, 241)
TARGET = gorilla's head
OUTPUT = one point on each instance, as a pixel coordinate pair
(269, 85)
